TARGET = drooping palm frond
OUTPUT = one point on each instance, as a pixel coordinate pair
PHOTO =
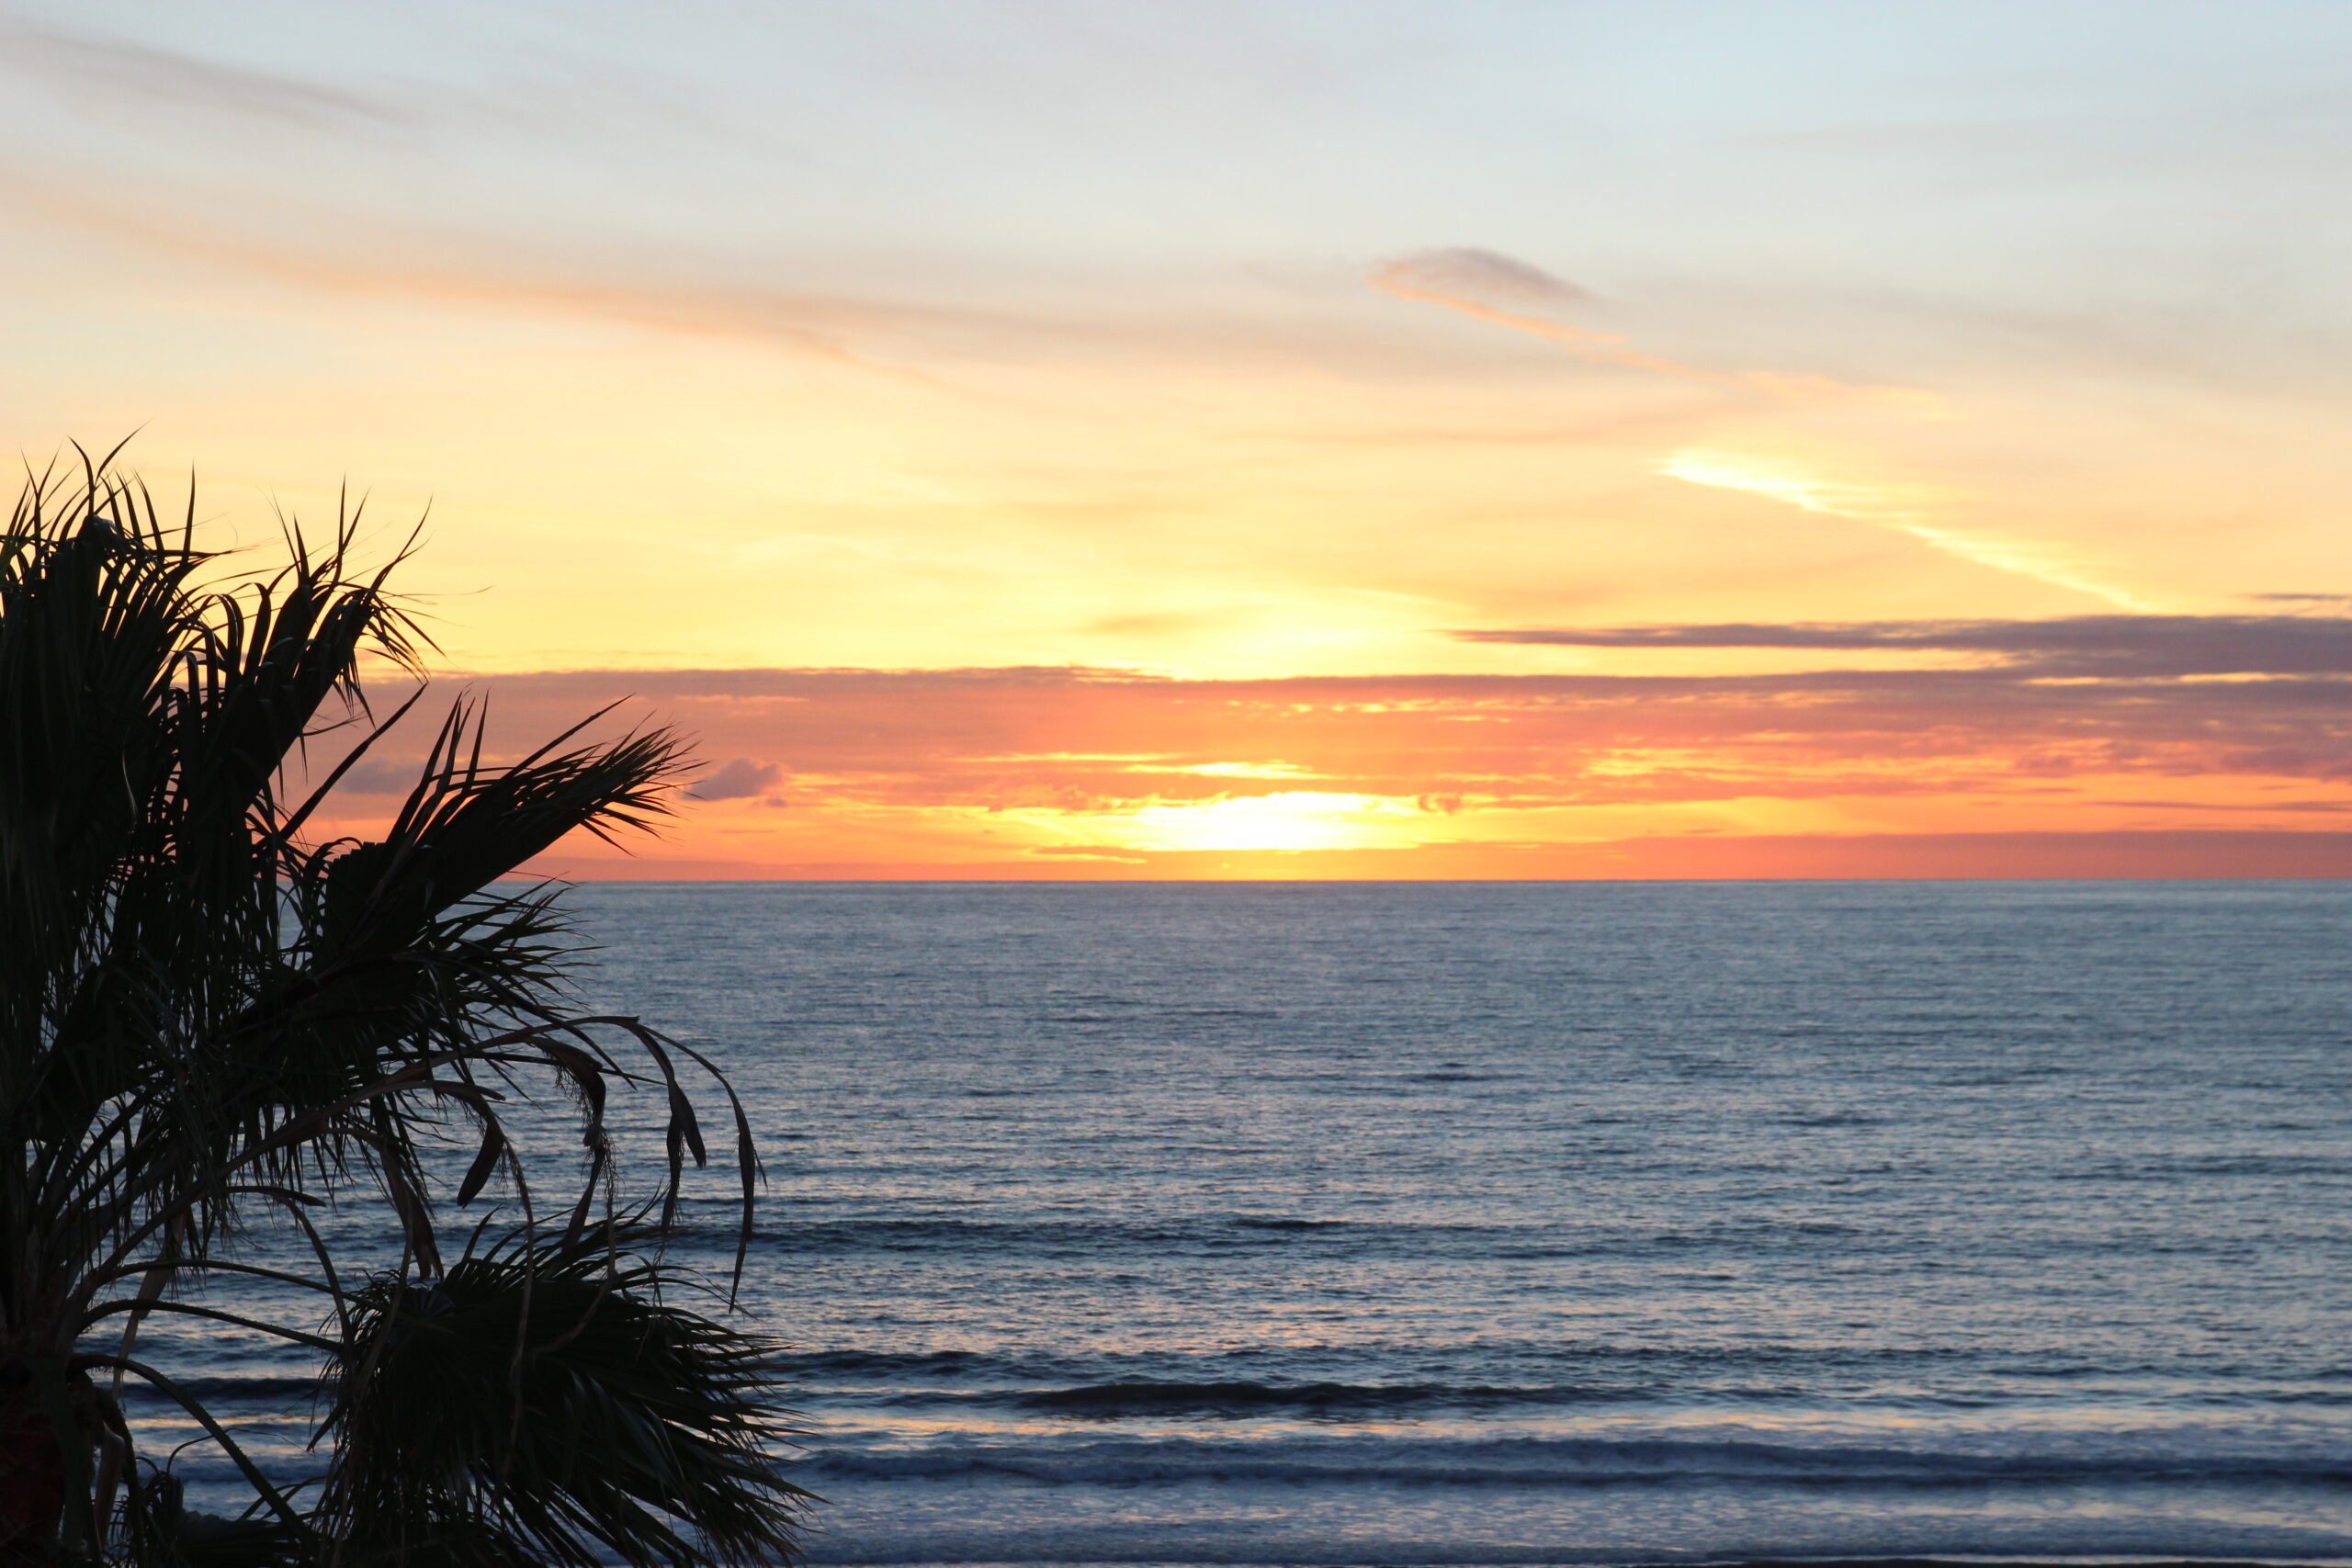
(205, 1015)
(541, 1400)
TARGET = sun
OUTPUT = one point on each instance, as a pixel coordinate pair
(1295, 819)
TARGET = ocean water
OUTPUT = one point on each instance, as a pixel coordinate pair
(1432, 1223)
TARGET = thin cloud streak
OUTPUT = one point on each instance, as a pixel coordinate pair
(1465, 274)
(1440, 278)
(813, 324)
(1011, 319)
(147, 70)
(2113, 647)
(1505, 292)
(1898, 508)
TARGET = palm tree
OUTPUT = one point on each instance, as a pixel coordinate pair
(209, 1020)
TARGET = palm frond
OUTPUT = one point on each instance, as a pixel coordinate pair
(204, 1017)
(542, 1402)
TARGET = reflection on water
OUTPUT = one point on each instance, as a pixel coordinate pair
(1531, 1222)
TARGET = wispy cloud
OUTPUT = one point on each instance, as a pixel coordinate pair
(1507, 292)
(738, 778)
(1906, 509)
(815, 323)
(146, 71)
(2134, 648)
(924, 325)
(1497, 289)
(1466, 279)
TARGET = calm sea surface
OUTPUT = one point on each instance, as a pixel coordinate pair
(1530, 1223)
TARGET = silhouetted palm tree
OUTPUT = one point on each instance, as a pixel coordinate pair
(207, 1019)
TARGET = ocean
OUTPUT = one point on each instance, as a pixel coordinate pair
(1523, 1223)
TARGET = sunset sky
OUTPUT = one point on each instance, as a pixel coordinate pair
(1366, 438)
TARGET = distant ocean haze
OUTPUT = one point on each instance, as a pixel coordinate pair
(1485, 1223)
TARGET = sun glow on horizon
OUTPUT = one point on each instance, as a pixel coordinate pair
(1287, 820)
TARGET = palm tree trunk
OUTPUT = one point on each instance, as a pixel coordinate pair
(33, 1475)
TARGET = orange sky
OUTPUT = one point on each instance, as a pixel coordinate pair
(1290, 438)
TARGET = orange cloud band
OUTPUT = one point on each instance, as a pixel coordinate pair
(1053, 771)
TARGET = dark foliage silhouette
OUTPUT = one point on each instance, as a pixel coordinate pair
(212, 1023)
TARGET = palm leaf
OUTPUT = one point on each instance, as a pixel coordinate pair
(202, 1014)
(542, 1402)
